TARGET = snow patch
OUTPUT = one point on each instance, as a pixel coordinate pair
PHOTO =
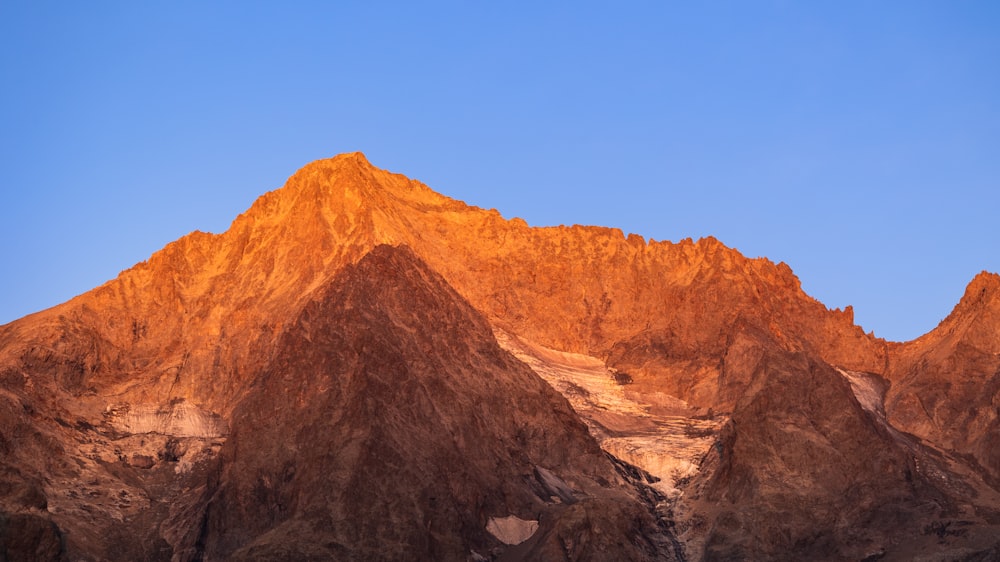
(178, 419)
(511, 530)
(661, 456)
(584, 380)
(868, 389)
(669, 447)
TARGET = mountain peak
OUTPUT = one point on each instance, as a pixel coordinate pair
(356, 161)
(985, 283)
(982, 295)
(356, 156)
(332, 212)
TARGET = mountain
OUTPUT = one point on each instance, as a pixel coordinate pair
(361, 368)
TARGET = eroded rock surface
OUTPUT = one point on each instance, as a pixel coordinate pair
(662, 435)
(946, 384)
(804, 471)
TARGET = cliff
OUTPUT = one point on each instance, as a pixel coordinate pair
(336, 346)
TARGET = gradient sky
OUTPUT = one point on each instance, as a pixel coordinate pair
(859, 142)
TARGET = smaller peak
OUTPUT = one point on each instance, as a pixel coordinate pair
(355, 157)
(348, 159)
(982, 293)
(984, 281)
(983, 288)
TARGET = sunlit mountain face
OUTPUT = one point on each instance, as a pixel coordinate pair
(360, 368)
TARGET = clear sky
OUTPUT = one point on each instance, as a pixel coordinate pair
(859, 142)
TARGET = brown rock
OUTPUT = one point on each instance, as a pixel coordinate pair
(29, 536)
(804, 472)
(390, 425)
(141, 461)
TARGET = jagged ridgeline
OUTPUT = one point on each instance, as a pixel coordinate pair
(360, 368)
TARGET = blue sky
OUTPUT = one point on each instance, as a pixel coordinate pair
(859, 142)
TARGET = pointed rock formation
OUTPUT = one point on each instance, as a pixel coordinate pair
(946, 384)
(390, 425)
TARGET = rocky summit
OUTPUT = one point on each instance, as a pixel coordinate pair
(360, 368)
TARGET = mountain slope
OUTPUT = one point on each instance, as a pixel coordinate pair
(808, 468)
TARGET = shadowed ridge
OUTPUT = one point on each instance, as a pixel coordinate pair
(803, 472)
(390, 414)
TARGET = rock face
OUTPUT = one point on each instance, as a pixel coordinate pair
(803, 471)
(946, 384)
(390, 425)
(324, 381)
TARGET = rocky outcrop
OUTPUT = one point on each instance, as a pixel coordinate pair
(804, 471)
(178, 419)
(946, 384)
